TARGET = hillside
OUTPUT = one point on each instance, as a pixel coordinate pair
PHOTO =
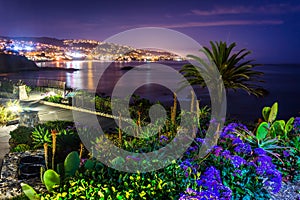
(13, 63)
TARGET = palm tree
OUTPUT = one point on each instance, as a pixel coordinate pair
(235, 73)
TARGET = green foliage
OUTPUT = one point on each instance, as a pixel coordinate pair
(273, 112)
(7, 86)
(28, 89)
(21, 148)
(21, 135)
(262, 131)
(41, 135)
(51, 178)
(104, 183)
(266, 112)
(30, 192)
(58, 125)
(67, 138)
(236, 73)
(272, 127)
(66, 142)
(270, 133)
(54, 98)
(7, 113)
(71, 164)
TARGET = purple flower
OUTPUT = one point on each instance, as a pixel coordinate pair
(259, 151)
(237, 141)
(217, 150)
(190, 191)
(244, 148)
(231, 128)
(212, 186)
(267, 169)
(286, 153)
(199, 140)
(238, 161)
(189, 167)
(297, 125)
(274, 180)
(163, 138)
(237, 172)
(226, 154)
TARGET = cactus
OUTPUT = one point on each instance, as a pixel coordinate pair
(51, 178)
(30, 192)
(71, 164)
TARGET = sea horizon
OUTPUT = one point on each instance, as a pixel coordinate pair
(281, 80)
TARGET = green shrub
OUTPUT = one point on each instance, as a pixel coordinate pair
(102, 182)
(21, 148)
(21, 135)
(54, 98)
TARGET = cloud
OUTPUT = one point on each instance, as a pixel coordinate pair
(225, 23)
(214, 23)
(265, 9)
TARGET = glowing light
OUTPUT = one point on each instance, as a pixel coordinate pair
(75, 54)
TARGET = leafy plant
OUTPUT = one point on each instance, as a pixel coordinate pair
(52, 179)
(21, 135)
(21, 148)
(273, 127)
(54, 98)
(234, 164)
(41, 135)
(236, 73)
(9, 112)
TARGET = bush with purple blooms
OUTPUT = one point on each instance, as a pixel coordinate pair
(240, 166)
(289, 164)
(233, 170)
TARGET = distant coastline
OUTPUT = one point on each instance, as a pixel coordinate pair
(18, 64)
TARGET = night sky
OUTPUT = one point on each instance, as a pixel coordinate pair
(270, 29)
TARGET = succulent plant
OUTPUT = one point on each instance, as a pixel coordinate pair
(30, 192)
(71, 164)
(51, 178)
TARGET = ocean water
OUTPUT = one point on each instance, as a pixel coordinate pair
(281, 80)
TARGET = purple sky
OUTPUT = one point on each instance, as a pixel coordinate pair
(270, 29)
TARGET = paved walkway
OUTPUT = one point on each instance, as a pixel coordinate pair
(48, 112)
(5, 130)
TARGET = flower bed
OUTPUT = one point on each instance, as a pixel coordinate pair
(244, 164)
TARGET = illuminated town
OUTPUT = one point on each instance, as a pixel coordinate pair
(50, 49)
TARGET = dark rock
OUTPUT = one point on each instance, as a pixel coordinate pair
(13, 63)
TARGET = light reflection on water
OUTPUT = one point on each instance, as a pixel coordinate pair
(282, 81)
